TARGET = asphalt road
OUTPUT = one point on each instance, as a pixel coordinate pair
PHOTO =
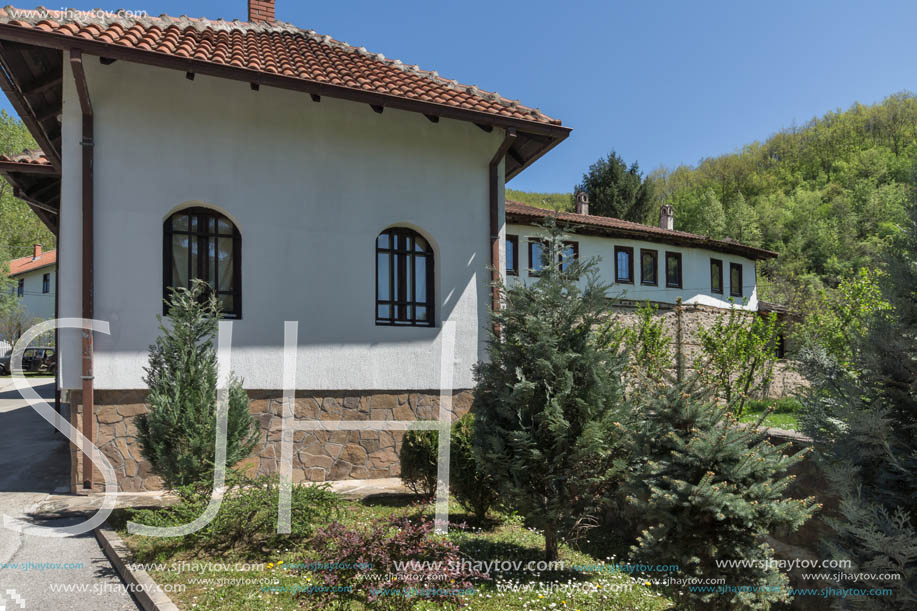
(34, 463)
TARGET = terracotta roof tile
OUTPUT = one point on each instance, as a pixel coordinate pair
(516, 212)
(32, 156)
(28, 264)
(275, 48)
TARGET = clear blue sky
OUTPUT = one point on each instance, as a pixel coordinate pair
(661, 82)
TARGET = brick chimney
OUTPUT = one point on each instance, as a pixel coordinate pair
(260, 10)
(582, 203)
(36, 252)
(667, 217)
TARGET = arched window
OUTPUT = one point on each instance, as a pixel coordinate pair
(404, 279)
(202, 243)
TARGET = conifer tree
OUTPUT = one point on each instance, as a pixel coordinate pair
(710, 492)
(178, 434)
(548, 404)
(865, 428)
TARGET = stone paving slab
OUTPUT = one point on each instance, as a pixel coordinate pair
(65, 505)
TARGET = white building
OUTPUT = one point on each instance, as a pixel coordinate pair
(640, 262)
(35, 279)
(308, 180)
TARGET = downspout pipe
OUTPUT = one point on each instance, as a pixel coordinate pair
(87, 143)
(495, 185)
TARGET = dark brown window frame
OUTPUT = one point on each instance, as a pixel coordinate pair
(45, 284)
(630, 262)
(514, 240)
(681, 271)
(732, 288)
(201, 272)
(655, 254)
(404, 300)
(713, 288)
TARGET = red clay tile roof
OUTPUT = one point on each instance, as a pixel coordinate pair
(28, 264)
(518, 212)
(31, 156)
(274, 48)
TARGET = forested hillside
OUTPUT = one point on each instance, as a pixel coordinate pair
(552, 201)
(19, 227)
(829, 195)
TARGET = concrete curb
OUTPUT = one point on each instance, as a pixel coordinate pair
(146, 591)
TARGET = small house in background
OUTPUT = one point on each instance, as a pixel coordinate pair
(36, 282)
(641, 262)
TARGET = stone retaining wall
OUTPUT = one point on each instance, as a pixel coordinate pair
(682, 322)
(318, 455)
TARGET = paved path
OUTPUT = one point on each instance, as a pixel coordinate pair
(33, 466)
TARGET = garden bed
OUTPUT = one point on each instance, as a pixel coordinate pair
(263, 577)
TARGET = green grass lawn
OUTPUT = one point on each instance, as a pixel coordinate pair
(783, 416)
(502, 537)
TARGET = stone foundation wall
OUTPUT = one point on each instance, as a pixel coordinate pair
(317, 455)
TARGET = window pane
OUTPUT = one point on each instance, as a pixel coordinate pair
(211, 224)
(211, 261)
(569, 255)
(223, 226)
(537, 251)
(179, 260)
(648, 268)
(623, 266)
(397, 285)
(420, 271)
(511, 255)
(225, 264)
(420, 245)
(421, 312)
(382, 240)
(194, 258)
(180, 222)
(382, 291)
(383, 311)
(673, 270)
(193, 222)
(227, 302)
(716, 272)
(409, 277)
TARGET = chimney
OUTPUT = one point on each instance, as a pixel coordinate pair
(36, 252)
(260, 10)
(667, 217)
(582, 203)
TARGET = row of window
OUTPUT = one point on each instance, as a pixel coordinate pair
(624, 265)
(199, 243)
(45, 285)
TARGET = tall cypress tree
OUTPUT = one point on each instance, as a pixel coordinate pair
(548, 404)
(178, 434)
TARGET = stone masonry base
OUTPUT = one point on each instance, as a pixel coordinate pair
(317, 455)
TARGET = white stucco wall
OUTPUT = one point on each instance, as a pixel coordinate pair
(36, 303)
(695, 263)
(311, 186)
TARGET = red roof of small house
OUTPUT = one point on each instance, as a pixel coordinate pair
(275, 48)
(517, 212)
(24, 265)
